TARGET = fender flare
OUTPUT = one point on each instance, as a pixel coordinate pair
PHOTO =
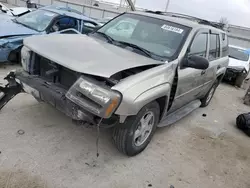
(152, 94)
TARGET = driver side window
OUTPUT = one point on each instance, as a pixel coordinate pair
(199, 45)
(64, 23)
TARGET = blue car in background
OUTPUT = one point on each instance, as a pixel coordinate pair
(45, 20)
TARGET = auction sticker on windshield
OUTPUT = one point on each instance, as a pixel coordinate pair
(173, 29)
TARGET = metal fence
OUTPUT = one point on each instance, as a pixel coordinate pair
(83, 6)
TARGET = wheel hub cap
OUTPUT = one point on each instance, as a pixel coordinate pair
(144, 128)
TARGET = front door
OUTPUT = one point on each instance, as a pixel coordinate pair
(190, 80)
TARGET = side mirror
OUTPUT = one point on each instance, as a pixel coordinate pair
(196, 62)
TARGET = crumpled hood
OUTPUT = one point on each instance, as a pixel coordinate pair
(235, 63)
(86, 54)
(10, 28)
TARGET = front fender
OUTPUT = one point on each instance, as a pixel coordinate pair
(128, 108)
(8, 45)
(4, 54)
(145, 87)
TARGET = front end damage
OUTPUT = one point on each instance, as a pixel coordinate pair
(84, 101)
(10, 48)
(232, 73)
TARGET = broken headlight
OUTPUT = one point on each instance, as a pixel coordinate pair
(98, 100)
(25, 58)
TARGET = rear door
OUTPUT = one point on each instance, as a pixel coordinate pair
(215, 59)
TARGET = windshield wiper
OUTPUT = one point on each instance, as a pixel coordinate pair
(146, 52)
(110, 39)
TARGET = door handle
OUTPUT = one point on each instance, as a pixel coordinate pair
(203, 72)
(218, 67)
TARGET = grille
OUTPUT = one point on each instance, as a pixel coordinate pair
(52, 72)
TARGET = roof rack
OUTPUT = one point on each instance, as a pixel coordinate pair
(192, 18)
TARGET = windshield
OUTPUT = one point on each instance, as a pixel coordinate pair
(160, 37)
(239, 54)
(38, 20)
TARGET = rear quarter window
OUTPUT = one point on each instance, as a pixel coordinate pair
(225, 48)
(214, 47)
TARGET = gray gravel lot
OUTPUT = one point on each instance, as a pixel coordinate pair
(196, 152)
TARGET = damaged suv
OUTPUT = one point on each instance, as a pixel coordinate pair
(149, 73)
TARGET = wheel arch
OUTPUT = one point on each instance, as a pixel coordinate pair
(159, 94)
(220, 77)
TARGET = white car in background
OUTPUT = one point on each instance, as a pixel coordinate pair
(16, 11)
(238, 67)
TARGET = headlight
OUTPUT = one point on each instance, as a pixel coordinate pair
(94, 98)
(25, 58)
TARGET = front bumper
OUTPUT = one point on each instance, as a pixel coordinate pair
(232, 73)
(52, 94)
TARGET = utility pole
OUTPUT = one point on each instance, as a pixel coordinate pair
(166, 9)
(131, 4)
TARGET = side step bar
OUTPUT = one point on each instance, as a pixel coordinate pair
(10, 90)
(180, 113)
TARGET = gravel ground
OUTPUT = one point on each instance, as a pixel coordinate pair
(198, 151)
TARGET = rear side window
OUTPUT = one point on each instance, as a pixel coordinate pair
(225, 48)
(199, 45)
(214, 48)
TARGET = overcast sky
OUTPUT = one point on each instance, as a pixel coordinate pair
(237, 11)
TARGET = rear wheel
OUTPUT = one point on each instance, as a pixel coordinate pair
(133, 136)
(208, 97)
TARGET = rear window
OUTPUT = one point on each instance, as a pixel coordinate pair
(238, 54)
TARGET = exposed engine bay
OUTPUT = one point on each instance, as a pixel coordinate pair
(56, 73)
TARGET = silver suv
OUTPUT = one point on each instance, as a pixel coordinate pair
(140, 71)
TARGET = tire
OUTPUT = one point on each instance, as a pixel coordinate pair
(208, 97)
(125, 135)
(239, 79)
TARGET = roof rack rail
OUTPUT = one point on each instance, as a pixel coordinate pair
(193, 18)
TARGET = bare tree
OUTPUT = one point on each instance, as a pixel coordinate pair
(223, 22)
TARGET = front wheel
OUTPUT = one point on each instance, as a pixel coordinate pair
(208, 97)
(133, 136)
